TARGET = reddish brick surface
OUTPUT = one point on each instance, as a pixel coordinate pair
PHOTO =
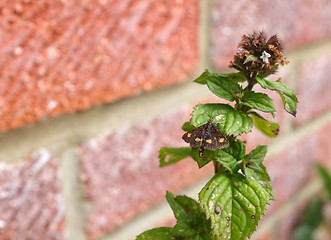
(288, 223)
(30, 203)
(266, 236)
(121, 171)
(62, 56)
(294, 168)
(314, 86)
(297, 22)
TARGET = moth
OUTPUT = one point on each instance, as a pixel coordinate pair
(207, 136)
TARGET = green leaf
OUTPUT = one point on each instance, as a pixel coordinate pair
(238, 76)
(237, 122)
(224, 88)
(313, 215)
(312, 218)
(228, 161)
(230, 156)
(288, 95)
(325, 177)
(303, 232)
(208, 156)
(162, 233)
(227, 119)
(257, 155)
(222, 85)
(269, 128)
(187, 126)
(191, 219)
(256, 171)
(169, 156)
(236, 149)
(206, 75)
(204, 112)
(234, 205)
(259, 101)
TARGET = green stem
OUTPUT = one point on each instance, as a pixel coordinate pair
(217, 166)
(251, 82)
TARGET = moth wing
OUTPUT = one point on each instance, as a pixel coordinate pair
(195, 136)
(215, 139)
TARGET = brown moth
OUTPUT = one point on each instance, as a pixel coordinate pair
(206, 136)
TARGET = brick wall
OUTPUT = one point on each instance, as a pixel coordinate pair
(90, 90)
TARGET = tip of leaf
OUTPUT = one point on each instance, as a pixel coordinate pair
(294, 113)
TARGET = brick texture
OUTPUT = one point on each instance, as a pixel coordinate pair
(31, 206)
(121, 171)
(62, 56)
(315, 99)
(294, 168)
(296, 22)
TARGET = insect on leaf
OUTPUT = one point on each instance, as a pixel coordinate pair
(206, 136)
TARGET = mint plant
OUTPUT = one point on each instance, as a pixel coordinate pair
(230, 205)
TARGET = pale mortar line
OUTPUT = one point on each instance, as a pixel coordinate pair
(151, 218)
(309, 52)
(269, 222)
(205, 31)
(68, 130)
(291, 138)
(73, 193)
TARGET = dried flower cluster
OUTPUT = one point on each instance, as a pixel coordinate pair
(258, 56)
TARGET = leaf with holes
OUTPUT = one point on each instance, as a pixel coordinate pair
(204, 112)
(254, 169)
(228, 120)
(169, 156)
(234, 205)
(258, 173)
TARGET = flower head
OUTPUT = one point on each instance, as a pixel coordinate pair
(258, 55)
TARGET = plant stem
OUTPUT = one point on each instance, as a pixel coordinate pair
(217, 166)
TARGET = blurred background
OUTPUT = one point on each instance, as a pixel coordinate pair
(90, 90)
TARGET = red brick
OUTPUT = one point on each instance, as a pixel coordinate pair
(62, 56)
(31, 206)
(266, 236)
(122, 175)
(314, 85)
(297, 23)
(286, 225)
(293, 169)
